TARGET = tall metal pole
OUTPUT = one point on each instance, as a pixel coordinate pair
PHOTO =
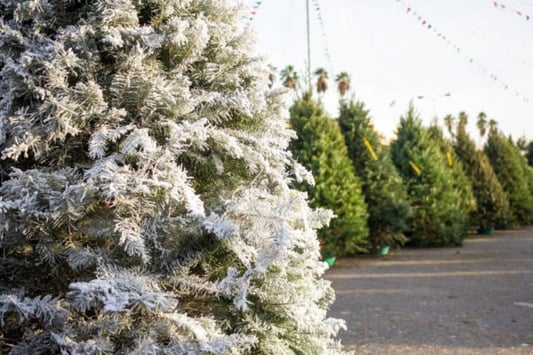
(308, 48)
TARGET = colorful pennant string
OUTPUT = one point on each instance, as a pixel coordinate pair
(255, 5)
(498, 4)
(457, 49)
(370, 150)
(320, 19)
(253, 10)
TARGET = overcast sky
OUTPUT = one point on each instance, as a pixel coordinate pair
(394, 57)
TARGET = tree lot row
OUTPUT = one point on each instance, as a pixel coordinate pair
(427, 188)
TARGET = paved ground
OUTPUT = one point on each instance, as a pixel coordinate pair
(477, 299)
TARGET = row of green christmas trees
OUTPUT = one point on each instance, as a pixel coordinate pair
(424, 188)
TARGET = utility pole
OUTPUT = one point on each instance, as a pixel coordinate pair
(308, 48)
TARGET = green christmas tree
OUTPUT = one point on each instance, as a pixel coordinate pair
(383, 188)
(492, 202)
(147, 206)
(460, 181)
(529, 153)
(437, 218)
(527, 169)
(528, 172)
(320, 148)
(506, 161)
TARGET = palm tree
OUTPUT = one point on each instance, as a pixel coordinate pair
(449, 122)
(271, 79)
(482, 123)
(271, 75)
(289, 77)
(321, 83)
(343, 82)
(463, 119)
(521, 143)
(493, 125)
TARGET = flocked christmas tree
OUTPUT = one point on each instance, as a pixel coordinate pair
(437, 218)
(146, 206)
(383, 188)
(506, 161)
(492, 202)
(320, 147)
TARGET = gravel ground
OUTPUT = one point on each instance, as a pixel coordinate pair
(477, 299)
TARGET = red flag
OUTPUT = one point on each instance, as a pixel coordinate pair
(408, 9)
(495, 4)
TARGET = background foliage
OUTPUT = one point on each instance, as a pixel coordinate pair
(506, 162)
(492, 202)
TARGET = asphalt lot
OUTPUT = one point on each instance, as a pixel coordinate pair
(477, 299)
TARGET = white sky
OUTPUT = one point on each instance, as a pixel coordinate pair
(391, 56)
